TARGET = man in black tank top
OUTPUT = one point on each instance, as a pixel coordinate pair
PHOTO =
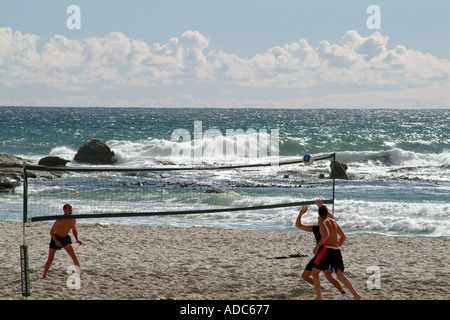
(306, 275)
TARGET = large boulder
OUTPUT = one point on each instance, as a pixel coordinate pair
(9, 161)
(95, 152)
(53, 161)
(338, 170)
(10, 172)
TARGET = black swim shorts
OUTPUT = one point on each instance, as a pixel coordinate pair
(64, 241)
(330, 256)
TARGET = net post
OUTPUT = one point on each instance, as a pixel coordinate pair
(334, 179)
(25, 195)
(25, 274)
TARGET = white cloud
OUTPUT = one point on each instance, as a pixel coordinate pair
(62, 53)
(355, 67)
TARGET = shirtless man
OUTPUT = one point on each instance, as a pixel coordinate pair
(60, 238)
(330, 255)
(306, 275)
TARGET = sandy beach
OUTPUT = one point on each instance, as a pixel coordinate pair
(199, 263)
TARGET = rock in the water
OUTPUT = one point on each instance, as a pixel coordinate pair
(53, 161)
(220, 191)
(10, 171)
(338, 170)
(95, 152)
(9, 161)
(7, 184)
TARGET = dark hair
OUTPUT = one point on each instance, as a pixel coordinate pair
(65, 206)
(323, 211)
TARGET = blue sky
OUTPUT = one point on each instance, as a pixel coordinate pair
(245, 53)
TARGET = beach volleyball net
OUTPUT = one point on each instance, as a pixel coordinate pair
(111, 192)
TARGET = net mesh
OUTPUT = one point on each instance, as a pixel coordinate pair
(96, 192)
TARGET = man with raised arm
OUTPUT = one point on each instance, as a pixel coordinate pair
(306, 275)
(330, 255)
(60, 238)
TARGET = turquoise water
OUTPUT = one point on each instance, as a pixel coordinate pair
(398, 160)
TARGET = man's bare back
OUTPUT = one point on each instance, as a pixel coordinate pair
(332, 227)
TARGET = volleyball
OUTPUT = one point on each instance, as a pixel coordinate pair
(308, 159)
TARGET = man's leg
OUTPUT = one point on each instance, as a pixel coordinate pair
(306, 275)
(316, 279)
(51, 255)
(71, 252)
(333, 281)
(340, 275)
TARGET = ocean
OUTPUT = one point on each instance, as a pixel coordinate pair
(398, 160)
